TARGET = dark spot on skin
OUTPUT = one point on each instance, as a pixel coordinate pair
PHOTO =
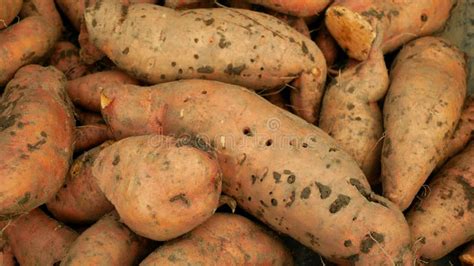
(305, 193)
(8, 121)
(347, 243)
(287, 172)
(369, 241)
(324, 191)
(312, 239)
(180, 197)
(459, 212)
(162, 76)
(43, 134)
(337, 13)
(373, 13)
(24, 199)
(468, 192)
(424, 17)
(263, 203)
(387, 148)
(172, 258)
(443, 243)
(292, 199)
(223, 43)
(123, 14)
(196, 40)
(208, 22)
(332, 149)
(247, 132)
(125, 51)
(116, 160)
(274, 202)
(249, 198)
(28, 56)
(341, 202)
(205, 69)
(196, 56)
(304, 48)
(36, 146)
(291, 179)
(254, 179)
(94, 22)
(350, 106)
(351, 89)
(369, 195)
(231, 70)
(173, 64)
(277, 177)
(180, 71)
(353, 258)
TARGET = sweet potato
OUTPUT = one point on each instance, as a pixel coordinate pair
(203, 44)
(89, 136)
(353, 23)
(327, 45)
(36, 123)
(421, 110)
(286, 172)
(184, 4)
(80, 200)
(10, 9)
(85, 91)
(299, 8)
(6, 256)
(46, 9)
(24, 43)
(161, 187)
(37, 239)
(277, 99)
(89, 53)
(350, 113)
(74, 10)
(107, 242)
(444, 219)
(224, 239)
(295, 22)
(65, 57)
(467, 257)
(87, 118)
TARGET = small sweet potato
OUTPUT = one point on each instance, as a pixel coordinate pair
(224, 239)
(36, 138)
(353, 23)
(37, 239)
(89, 136)
(299, 8)
(46, 9)
(161, 187)
(85, 91)
(80, 199)
(107, 242)
(65, 57)
(467, 256)
(421, 110)
(201, 43)
(287, 173)
(444, 219)
(9, 10)
(24, 43)
(327, 45)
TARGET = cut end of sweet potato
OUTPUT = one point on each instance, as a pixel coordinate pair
(104, 101)
(352, 31)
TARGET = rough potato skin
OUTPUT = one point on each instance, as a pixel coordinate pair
(351, 115)
(235, 46)
(37, 239)
(80, 199)
(10, 9)
(36, 138)
(161, 187)
(88, 136)
(353, 23)
(46, 9)
(421, 110)
(107, 242)
(65, 57)
(24, 43)
(299, 8)
(444, 219)
(284, 171)
(224, 239)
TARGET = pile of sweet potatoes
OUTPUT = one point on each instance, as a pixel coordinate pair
(269, 132)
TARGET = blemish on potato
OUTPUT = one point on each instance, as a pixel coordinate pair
(277, 177)
(305, 193)
(338, 204)
(180, 197)
(205, 69)
(291, 179)
(292, 199)
(324, 191)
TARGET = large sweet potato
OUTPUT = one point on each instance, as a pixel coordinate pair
(224, 239)
(9, 10)
(37, 239)
(161, 187)
(353, 23)
(36, 139)
(284, 171)
(444, 219)
(107, 242)
(421, 110)
(236, 46)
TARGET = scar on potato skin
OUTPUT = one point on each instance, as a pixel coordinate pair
(181, 197)
(338, 204)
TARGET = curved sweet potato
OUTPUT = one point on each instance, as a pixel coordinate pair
(37, 239)
(351, 115)
(284, 171)
(211, 48)
(46, 9)
(224, 239)
(353, 23)
(299, 8)
(65, 57)
(24, 43)
(80, 200)
(161, 187)
(107, 242)
(421, 110)
(467, 257)
(444, 219)
(36, 137)
(85, 91)
(10, 9)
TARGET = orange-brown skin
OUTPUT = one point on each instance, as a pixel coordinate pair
(6, 255)
(161, 187)
(36, 138)
(46, 9)
(74, 10)
(24, 43)
(87, 118)
(185, 4)
(351, 115)
(65, 57)
(467, 256)
(353, 23)
(224, 239)
(327, 45)
(107, 242)
(286, 172)
(8, 12)
(299, 8)
(202, 43)
(80, 199)
(89, 136)
(37, 239)
(295, 22)
(444, 219)
(85, 91)
(421, 110)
